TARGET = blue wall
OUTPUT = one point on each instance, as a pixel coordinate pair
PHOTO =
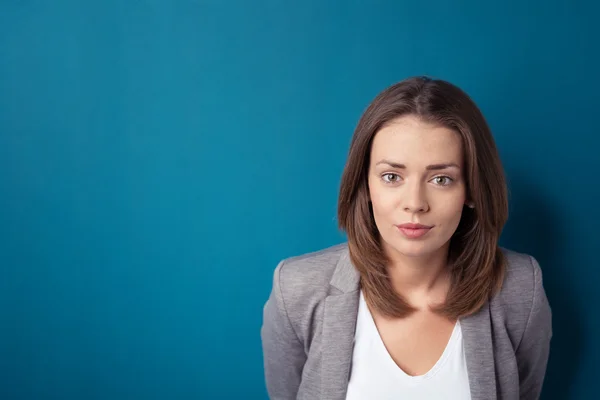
(158, 158)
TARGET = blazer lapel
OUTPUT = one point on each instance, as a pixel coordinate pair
(339, 324)
(477, 334)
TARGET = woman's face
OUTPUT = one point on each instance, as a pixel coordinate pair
(415, 177)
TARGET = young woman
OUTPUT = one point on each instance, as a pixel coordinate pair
(421, 302)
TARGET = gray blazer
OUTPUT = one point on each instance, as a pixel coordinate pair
(309, 321)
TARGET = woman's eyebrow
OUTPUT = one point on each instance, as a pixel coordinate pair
(433, 167)
(392, 164)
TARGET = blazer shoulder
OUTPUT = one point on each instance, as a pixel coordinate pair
(522, 272)
(299, 274)
(301, 284)
(522, 299)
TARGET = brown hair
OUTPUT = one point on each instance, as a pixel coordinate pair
(477, 264)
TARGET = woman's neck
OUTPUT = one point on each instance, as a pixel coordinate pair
(420, 280)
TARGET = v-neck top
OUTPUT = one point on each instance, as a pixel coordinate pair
(375, 375)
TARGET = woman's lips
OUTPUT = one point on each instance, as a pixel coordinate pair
(413, 231)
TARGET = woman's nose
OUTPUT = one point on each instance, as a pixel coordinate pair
(415, 198)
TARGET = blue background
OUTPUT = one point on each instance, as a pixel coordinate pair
(158, 158)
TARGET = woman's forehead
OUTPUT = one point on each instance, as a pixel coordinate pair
(411, 141)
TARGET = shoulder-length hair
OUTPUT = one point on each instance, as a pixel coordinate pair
(476, 262)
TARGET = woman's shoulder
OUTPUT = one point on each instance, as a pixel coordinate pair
(522, 308)
(314, 269)
(522, 296)
(522, 274)
(301, 284)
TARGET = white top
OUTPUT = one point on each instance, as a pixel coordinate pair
(375, 375)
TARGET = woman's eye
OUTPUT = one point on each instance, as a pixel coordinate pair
(442, 180)
(391, 178)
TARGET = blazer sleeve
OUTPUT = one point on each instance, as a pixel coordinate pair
(533, 350)
(283, 352)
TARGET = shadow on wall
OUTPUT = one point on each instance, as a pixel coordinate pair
(534, 228)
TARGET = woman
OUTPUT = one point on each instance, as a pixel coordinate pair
(421, 303)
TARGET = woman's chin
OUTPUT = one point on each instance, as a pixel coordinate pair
(415, 249)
